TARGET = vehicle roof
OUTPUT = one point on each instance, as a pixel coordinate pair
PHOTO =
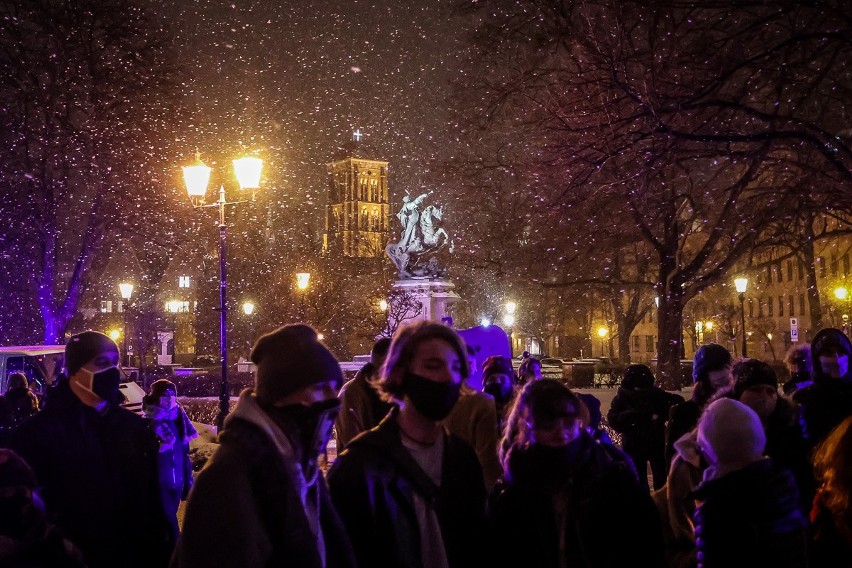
(32, 349)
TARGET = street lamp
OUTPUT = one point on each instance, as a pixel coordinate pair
(602, 333)
(509, 321)
(842, 294)
(126, 289)
(741, 284)
(196, 177)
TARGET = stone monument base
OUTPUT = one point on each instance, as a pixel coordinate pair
(436, 297)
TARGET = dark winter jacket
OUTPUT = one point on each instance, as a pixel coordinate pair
(788, 449)
(248, 505)
(21, 403)
(373, 484)
(750, 517)
(98, 475)
(639, 415)
(361, 407)
(592, 503)
(683, 418)
(825, 403)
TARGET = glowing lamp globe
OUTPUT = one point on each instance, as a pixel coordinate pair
(126, 289)
(248, 171)
(196, 177)
(741, 284)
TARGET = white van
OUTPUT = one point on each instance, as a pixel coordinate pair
(44, 363)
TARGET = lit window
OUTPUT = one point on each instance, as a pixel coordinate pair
(106, 306)
(119, 307)
(183, 281)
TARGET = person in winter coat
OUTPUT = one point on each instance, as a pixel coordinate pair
(411, 494)
(756, 386)
(748, 506)
(262, 500)
(27, 538)
(19, 399)
(97, 462)
(711, 373)
(497, 373)
(361, 407)
(638, 412)
(830, 531)
(564, 495)
(824, 404)
(798, 362)
(174, 432)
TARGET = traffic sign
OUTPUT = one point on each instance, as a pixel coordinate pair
(794, 329)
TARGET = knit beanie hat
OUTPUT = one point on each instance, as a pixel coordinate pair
(752, 372)
(160, 386)
(710, 357)
(84, 347)
(14, 471)
(290, 358)
(497, 364)
(732, 431)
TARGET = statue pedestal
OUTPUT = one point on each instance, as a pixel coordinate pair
(436, 297)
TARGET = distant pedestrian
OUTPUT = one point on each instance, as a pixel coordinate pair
(262, 500)
(824, 404)
(798, 362)
(361, 407)
(174, 431)
(748, 506)
(20, 401)
(830, 531)
(411, 494)
(560, 487)
(639, 412)
(97, 461)
(529, 370)
(497, 380)
(711, 373)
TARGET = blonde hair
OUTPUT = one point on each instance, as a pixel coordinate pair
(832, 463)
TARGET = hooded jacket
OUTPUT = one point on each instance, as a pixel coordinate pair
(825, 403)
(252, 506)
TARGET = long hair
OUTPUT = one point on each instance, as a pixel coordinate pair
(832, 463)
(542, 399)
(402, 349)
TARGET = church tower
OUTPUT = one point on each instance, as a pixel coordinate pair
(357, 214)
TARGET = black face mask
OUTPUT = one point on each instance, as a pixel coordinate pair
(500, 394)
(310, 425)
(105, 384)
(432, 400)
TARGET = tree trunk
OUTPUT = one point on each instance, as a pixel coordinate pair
(670, 348)
(814, 305)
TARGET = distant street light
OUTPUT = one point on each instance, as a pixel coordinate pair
(248, 308)
(303, 280)
(126, 289)
(114, 334)
(196, 177)
(602, 333)
(842, 294)
(509, 321)
(383, 305)
(741, 284)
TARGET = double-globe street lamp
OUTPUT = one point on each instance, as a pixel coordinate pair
(741, 284)
(196, 177)
(126, 289)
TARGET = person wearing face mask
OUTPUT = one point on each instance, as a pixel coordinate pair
(411, 494)
(711, 373)
(174, 432)
(560, 487)
(96, 462)
(497, 373)
(262, 500)
(824, 404)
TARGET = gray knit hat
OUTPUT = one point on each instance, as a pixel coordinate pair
(290, 358)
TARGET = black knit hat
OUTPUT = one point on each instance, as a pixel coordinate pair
(290, 358)
(752, 372)
(84, 347)
(497, 364)
(710, 357)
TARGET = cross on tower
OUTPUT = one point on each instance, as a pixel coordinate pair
(356, 136)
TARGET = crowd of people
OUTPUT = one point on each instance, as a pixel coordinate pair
(433, 473)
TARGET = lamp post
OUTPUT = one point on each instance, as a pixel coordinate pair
(509, 321)
(602, 333)
(196, 177)
(303, 280)
(248, 310)
(842, 294)
(741, 284)
(126, 289)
